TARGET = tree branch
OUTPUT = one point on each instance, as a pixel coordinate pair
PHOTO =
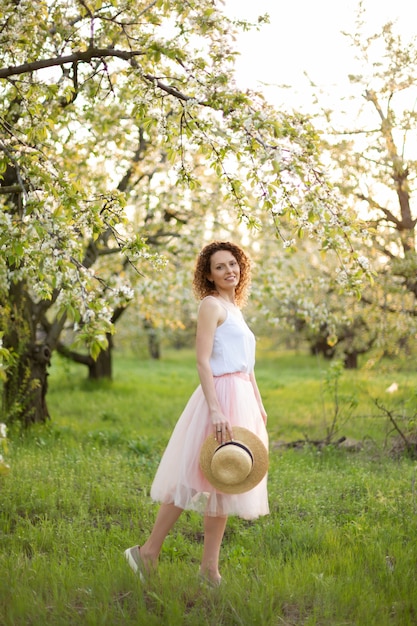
(168, 89)
(77, 357)
(81, 56)
(12, 189)
(85, 57)
(392, 418)
(375, 205)
(400, 172)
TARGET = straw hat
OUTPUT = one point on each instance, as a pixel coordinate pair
(234, 466)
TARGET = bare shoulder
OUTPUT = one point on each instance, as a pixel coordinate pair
(211, 308)
(210, 303)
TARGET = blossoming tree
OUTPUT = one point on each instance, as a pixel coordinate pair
(84, 84)
(375, 167)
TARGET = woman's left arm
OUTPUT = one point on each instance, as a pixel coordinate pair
(258, 396)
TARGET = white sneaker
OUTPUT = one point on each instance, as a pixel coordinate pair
(133, 558)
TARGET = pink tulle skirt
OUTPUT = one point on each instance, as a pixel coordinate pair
(179, 479)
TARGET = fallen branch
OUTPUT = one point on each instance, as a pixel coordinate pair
(300, 443)
(392, 419)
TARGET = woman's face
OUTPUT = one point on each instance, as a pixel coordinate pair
(224, 270)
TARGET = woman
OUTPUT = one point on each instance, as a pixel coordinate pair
(228, 396)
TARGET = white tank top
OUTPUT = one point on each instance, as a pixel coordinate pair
(233, 346)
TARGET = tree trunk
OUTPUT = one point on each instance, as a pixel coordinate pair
(351, 360)
(154, 345)
(24, 392)
(102, 367)
(25, 387)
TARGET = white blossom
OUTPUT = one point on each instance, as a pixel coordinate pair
(126, 292)
(88, 316)
(364, 262)
(278, 209)
(342, 277)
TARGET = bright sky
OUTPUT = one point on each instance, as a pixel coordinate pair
(305, 36)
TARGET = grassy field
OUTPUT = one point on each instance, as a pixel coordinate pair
(339, 546)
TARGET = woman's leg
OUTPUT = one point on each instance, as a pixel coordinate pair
(213, 534)
(165, 520)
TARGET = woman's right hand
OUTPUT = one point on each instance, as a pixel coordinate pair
(222, 428)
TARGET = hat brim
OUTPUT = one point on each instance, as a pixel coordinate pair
(260, 461)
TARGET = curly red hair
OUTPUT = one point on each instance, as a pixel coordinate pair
(203, 287)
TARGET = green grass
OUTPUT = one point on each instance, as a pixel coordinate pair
(339, 546)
